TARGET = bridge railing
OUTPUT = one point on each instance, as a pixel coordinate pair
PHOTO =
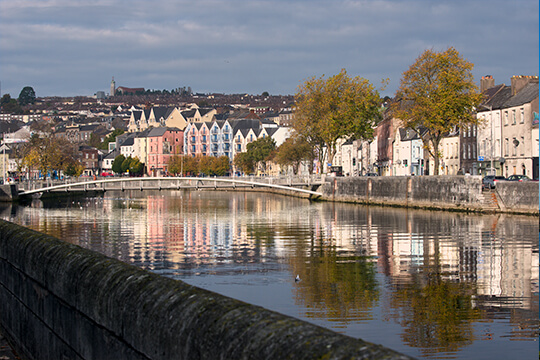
(35, 184)
(295, 184)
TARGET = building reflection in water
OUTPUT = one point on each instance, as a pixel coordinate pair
(435, 274)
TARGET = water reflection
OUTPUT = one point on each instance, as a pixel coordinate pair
(430, 284)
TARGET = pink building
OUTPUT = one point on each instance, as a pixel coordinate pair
(162, 144)
(198, 139)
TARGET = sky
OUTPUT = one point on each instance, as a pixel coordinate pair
(73, 47)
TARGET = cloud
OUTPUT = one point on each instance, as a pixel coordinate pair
(237, 46)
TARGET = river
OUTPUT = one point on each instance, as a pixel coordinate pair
(430, 284)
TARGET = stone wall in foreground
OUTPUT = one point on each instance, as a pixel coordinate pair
(59, 301)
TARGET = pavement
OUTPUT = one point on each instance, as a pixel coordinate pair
(6, 352)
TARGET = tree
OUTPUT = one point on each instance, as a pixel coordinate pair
(334, 108)
(110, 138)
(27, 96)
(260, 151)
(117, 164)
(293, 151)
(437, 95)
(191, 165)
(205, 165)
(244, 163)
(10, 105)
(75, 169)
(49, 153)
(126, 164)
(175, 165)
(221, 166)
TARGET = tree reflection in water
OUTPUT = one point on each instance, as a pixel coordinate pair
(340, 288)
(436, 314)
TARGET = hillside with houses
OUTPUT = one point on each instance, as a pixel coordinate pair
(156, 129)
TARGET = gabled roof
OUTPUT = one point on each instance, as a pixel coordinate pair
(157, 132)
(188, 113)
(113, 154)
(524, 96)
(128, 142)
(161, 112)
(408, 134)
(204, 111)
(137, 114)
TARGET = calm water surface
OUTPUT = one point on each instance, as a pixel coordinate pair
(435, 285)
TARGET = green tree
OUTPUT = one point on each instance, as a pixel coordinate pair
(10, 105)
(75, 169)
(244, 162)
(293, 151)
(205, 165)
(191, 165)
(110, 138)
(220, 166)
(260, 151)
(334, 108)
(126, 164)
(136, 167)
(175, 165)
(117, 164)
(27, 96)
(437, 93)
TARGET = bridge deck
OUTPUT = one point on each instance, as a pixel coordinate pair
(175, 183)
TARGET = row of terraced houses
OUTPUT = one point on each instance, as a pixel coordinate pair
(505, 142)
(155, 135)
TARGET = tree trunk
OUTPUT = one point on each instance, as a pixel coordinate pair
(436, 159)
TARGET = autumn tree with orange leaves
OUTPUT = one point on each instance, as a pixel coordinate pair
(436, 96)
(334, 108)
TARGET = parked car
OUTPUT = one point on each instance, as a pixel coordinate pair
(518, 178)
(489, 181)
(371, 174)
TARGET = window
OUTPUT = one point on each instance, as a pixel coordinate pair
(514, 146)
(506, 118)
(521, 146)
(506, 147)
(522, 115)
(514, 117)
(469, 151)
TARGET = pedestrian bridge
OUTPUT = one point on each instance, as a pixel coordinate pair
(301, 185)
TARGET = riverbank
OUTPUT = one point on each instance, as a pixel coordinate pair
(451, 193)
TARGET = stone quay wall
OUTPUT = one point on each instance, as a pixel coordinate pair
(457, 193)
(60, 301)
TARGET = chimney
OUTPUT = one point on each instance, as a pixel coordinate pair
(486, 82)
(519, 82)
